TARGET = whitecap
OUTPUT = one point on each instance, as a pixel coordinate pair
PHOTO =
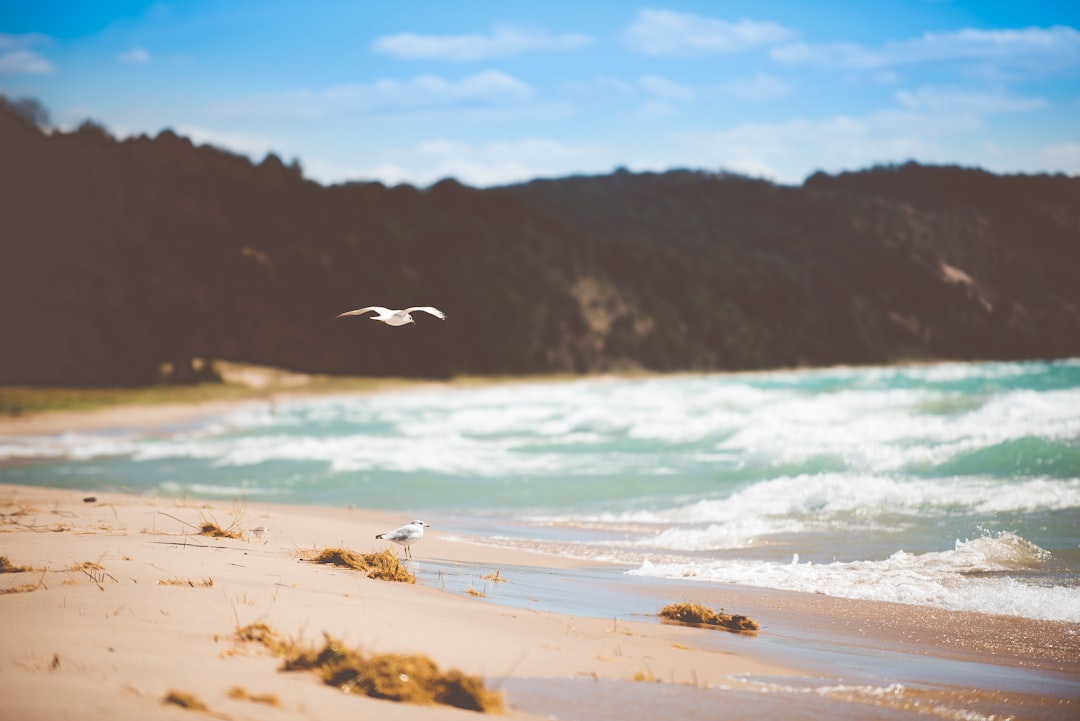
(974, 576)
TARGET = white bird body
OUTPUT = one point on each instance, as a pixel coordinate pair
(405, 536)
(394, 317)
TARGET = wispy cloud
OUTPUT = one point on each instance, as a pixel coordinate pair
(665, 32)
(1061, 157)
(503, 41)
(658, 109)
(1050, 48)
(482, 92)
(254, 146)
(18, 58)
(964, 99)
(662, 91)
(787, 151)
(139, 56)
(759, 86)
(664, 88)
(485, 164)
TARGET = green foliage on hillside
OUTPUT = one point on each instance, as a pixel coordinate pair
(117, 257)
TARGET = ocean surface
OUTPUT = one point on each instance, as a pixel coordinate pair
(953, 486)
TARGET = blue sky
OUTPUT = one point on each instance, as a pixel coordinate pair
(498, 92)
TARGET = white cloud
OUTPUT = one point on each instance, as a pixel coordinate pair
(664, 88)
(482, 93)
(664, 32)
(760, 86)
(492, 87)
(504, 40)
(500, 162)
(786, 152)
(1060, 157)
(658, 109)
(1035, 48)
(139, 56)
(24, 62)
(254, 146)
(479, 165)
(622, 87)
(831, 54)
(9, 41)
(976, 101)
(18, 58)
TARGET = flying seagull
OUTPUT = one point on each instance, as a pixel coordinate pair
(407, 535)
(394, 317)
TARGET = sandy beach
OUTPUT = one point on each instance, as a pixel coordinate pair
(122, 601)
(148, 416)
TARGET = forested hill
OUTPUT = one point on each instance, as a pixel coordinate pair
(118, 256)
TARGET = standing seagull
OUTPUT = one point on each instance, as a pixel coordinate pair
(407, 535)
(394, 317)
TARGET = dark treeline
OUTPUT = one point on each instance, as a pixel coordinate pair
(116, 257)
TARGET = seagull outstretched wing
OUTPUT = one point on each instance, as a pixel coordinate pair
(427, 309)
(379, 310)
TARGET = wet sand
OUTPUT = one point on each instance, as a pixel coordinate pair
(148, 417)
(124, 602)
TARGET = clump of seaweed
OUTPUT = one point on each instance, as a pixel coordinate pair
(183, 699)
(241, 694)
(698, 615)
(495, 577)
(395, 677)
(209, 528)
(646, 676)
(6, 566)
(25, 588)
(206, 583)
(383, 565)
(263, 635)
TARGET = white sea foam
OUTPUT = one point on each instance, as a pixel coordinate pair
(947, 705)
(209, 490)
(940, 579)
(973, 576)
(830, 500)
(76, 446)
(355, 453)
(739, 533)
(879, 431)
(674, 467)
(699, 422)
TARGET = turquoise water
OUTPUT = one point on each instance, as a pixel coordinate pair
(952, 485)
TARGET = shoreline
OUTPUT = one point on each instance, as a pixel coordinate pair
(556, 630)
(149, 417)
(269, 385)
(118, 634)
(263, 385)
